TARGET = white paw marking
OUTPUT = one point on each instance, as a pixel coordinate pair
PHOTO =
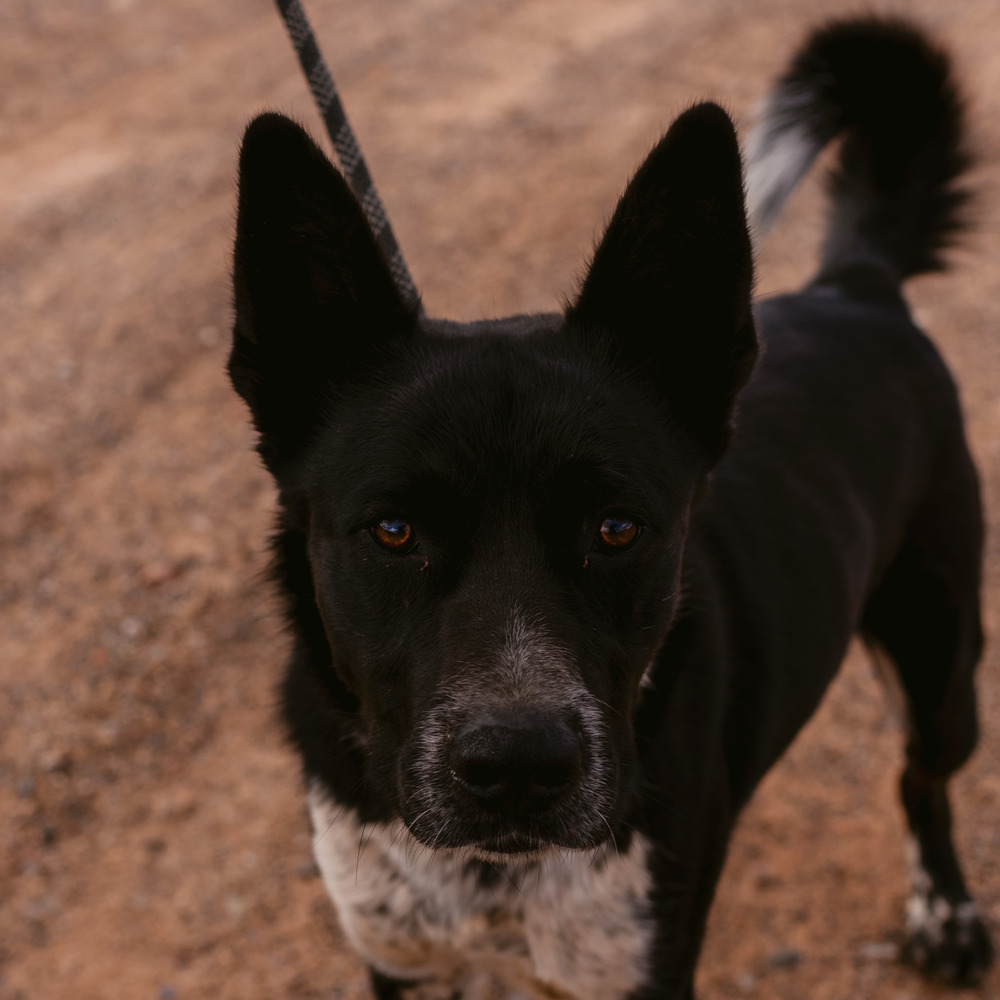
(927, 912)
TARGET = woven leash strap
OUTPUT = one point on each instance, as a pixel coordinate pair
(345, 143)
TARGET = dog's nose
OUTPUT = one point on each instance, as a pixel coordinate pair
(520, 764)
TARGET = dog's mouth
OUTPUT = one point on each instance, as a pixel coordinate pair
(488, 836)
(524, 845)
(518, 847)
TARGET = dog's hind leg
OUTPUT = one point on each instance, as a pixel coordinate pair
(925, 616)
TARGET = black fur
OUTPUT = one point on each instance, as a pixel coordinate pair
(888, 92)
(679, 659)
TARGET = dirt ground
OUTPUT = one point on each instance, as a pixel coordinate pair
(153, 844)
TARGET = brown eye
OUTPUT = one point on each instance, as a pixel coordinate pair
(394, 534)
(618, 532)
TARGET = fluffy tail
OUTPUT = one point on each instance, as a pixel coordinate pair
(887, 91)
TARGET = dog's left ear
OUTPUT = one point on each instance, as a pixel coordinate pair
(669, 289)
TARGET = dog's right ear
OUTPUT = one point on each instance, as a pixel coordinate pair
(314, 298)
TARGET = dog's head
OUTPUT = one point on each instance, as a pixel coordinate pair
(489, 519)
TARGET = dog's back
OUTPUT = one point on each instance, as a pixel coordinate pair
(850, 448)
(849, 501)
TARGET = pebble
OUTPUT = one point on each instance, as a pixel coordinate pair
(878, 951)
(158, 571)
(41, 908)
(785, 958)
(132, 627)
(307, 870)
(56, 759)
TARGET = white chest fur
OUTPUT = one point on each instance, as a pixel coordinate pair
(567, 925)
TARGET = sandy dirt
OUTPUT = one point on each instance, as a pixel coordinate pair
(153, 844)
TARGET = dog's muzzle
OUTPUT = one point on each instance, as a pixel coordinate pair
(511, 778)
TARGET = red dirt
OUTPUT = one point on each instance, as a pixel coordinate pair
(154, 843)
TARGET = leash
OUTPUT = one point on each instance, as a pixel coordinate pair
(345, 143)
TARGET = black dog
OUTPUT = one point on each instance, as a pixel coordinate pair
(553, 617)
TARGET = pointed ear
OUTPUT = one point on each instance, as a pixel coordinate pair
(314, 299)
(669, 288)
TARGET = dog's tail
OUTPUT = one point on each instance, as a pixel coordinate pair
(888, 92)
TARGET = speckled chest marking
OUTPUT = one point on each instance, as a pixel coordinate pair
(565, 926)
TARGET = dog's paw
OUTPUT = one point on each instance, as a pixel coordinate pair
(946, 941)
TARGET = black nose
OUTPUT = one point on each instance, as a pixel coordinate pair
(518, 764)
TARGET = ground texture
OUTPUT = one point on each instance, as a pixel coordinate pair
(153, 844)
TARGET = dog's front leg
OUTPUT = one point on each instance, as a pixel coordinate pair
(387, 988)
(470, 988)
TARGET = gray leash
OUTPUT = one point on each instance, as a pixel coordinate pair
(345, 143)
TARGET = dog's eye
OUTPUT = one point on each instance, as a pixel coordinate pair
(394, 534)
(618, 531)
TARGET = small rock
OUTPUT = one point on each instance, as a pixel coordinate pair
(764, 877)
(158, 571)
(132, 627)
(878, 951)
(41, 908)
(56, 759)
(785, 958)
(307, 870)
